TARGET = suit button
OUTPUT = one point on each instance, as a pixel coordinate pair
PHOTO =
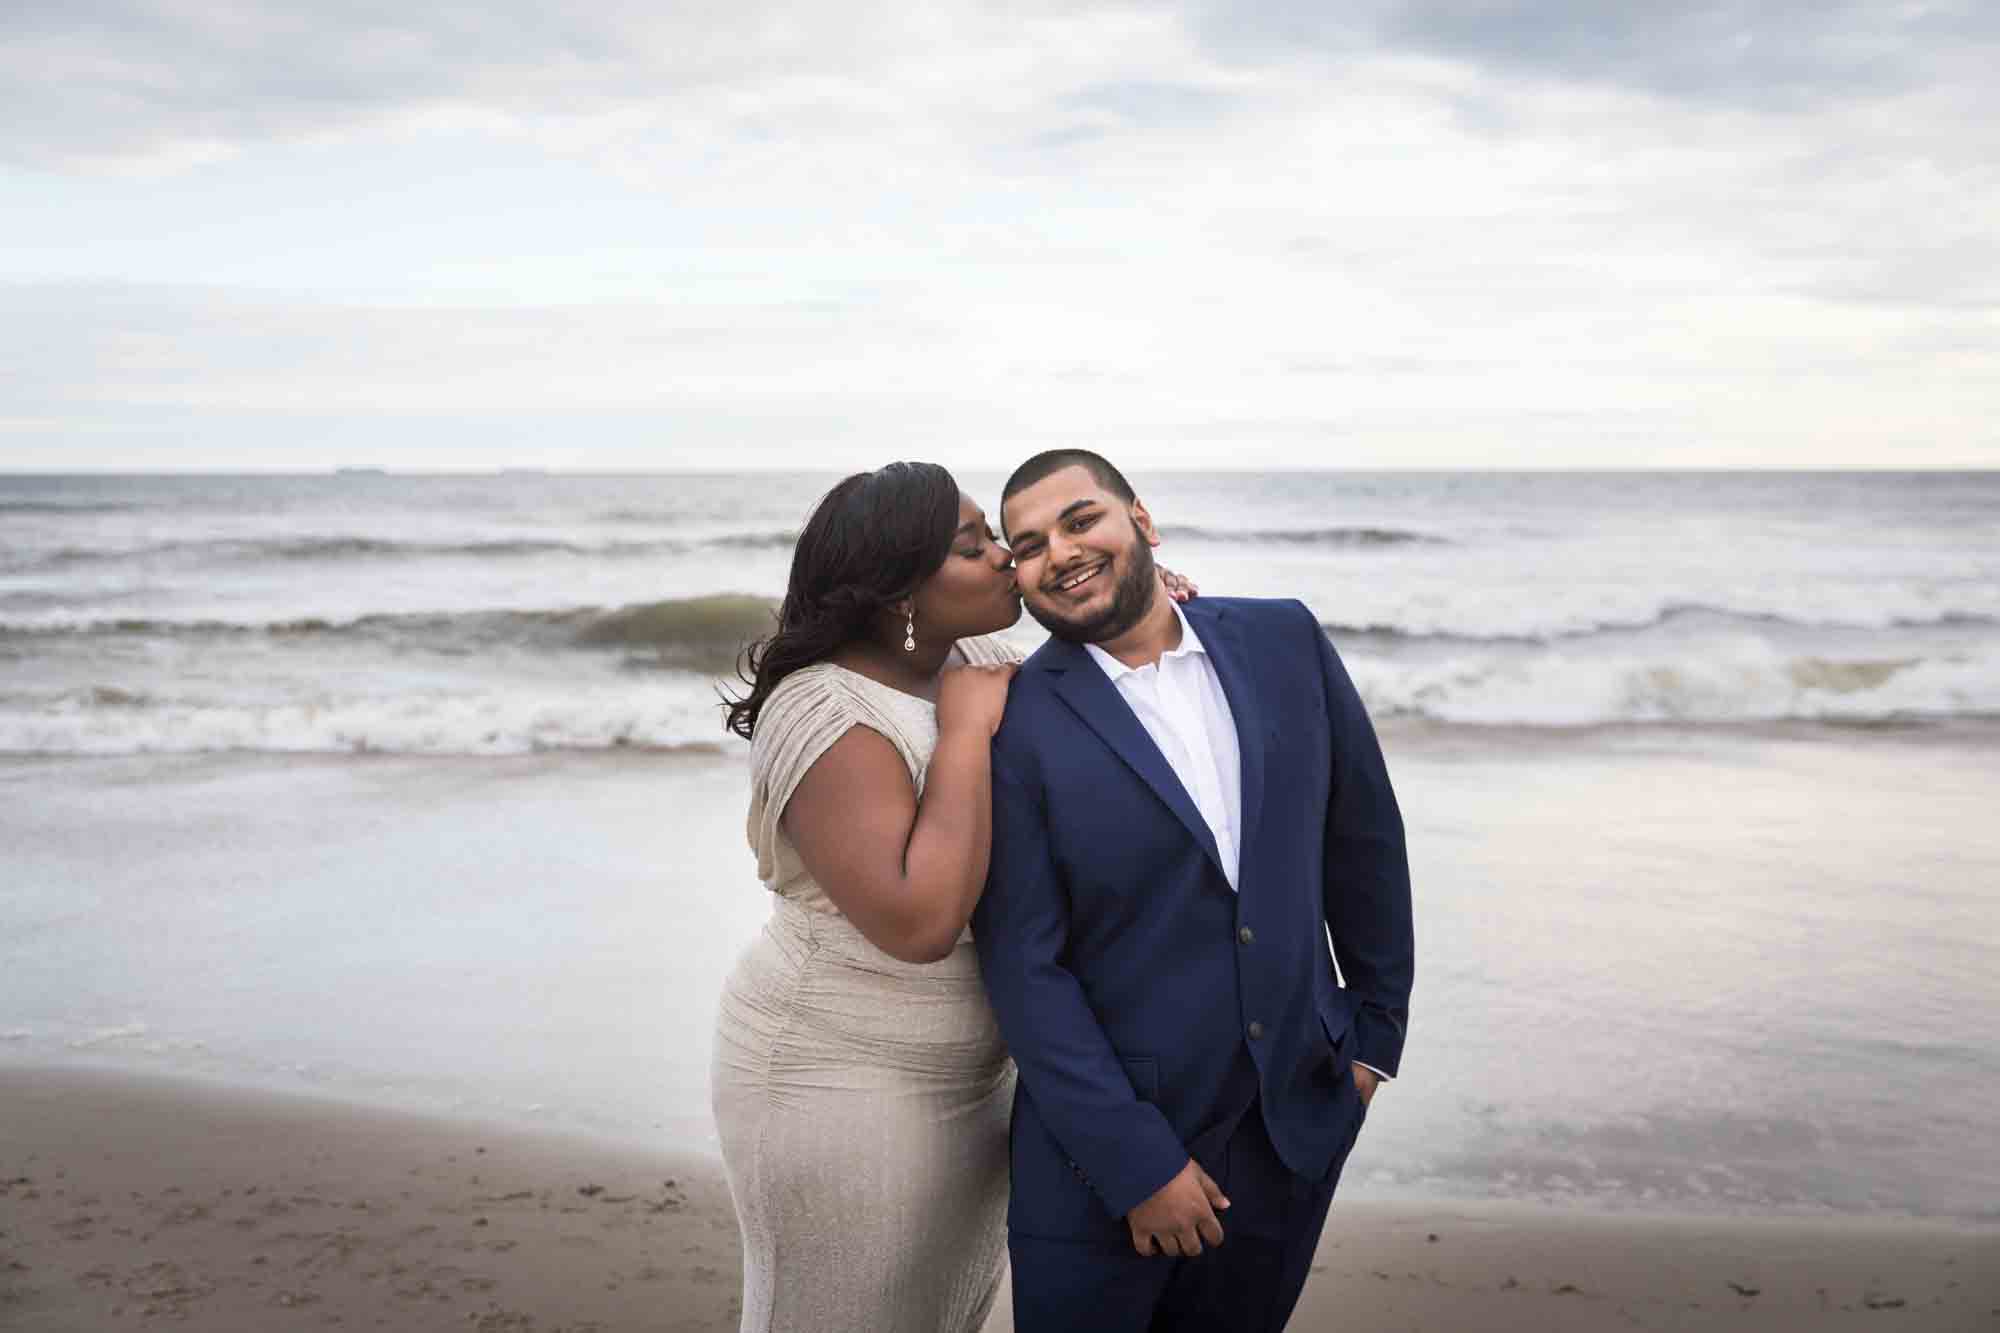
(1256, 1031)
(1246, 936)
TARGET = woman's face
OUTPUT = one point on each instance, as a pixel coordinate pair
(973, 592)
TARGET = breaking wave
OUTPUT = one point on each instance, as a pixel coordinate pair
(1745, 683)
(1645, 683)
(486, 722)
(695, 633)
(1673, 615)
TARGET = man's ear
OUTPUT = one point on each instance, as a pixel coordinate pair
(1144, 522)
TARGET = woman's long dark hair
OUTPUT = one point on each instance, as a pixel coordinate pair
(870, 541)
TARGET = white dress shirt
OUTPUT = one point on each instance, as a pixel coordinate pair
(1180, 703)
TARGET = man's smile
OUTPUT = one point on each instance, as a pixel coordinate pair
(1071, 582)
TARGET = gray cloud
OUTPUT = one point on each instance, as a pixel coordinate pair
(170, 80)
(89, 79)
(1770, 54)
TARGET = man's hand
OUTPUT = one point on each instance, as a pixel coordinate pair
(1179, 1216)
(1365, 1082)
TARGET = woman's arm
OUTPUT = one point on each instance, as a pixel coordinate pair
(906, 874)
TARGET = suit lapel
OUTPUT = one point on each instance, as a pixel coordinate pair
(1090, 694)
(1223, 639)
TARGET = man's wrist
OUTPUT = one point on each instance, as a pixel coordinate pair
(1367, 1082)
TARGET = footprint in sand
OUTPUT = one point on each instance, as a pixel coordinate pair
(166, 1288)
(81, 1227)
(182, 1214)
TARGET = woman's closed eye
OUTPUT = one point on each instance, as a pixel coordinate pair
(974, 552)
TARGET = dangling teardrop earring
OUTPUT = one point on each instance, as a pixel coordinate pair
(910, 631)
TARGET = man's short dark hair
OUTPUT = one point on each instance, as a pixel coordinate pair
(1049, 463)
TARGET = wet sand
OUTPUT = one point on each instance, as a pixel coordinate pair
(136, 1202)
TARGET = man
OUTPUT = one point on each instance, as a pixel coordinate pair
(1186, 800)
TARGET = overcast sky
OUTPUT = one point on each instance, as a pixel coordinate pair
(1281, 233)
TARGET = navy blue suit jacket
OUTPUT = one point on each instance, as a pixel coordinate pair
(1138, 993)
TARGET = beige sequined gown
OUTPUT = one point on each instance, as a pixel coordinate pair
(862, 1102)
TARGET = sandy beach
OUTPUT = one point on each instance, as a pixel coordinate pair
(129, 1201)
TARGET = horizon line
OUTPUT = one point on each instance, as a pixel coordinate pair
(361, 471)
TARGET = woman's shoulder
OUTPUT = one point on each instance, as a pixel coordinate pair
(820, 692)
(988, 650)
(805, 714)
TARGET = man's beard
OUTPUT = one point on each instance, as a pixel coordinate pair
(1129, 604)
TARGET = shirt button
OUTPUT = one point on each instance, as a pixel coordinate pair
(1256, 1031)
(1246, 935)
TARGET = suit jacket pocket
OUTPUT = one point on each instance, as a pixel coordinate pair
(1144, 1071)
(1338, 1028)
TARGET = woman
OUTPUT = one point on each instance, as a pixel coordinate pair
(861, 1088)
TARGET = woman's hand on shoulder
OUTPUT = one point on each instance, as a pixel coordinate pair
(1179, 586)
(974, 696)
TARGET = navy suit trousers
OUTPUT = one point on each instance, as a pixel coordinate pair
(1248, 1284)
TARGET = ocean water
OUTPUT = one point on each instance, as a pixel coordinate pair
(521, 612)
(413, 790)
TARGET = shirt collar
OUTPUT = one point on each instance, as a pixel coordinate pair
(1117, 670)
